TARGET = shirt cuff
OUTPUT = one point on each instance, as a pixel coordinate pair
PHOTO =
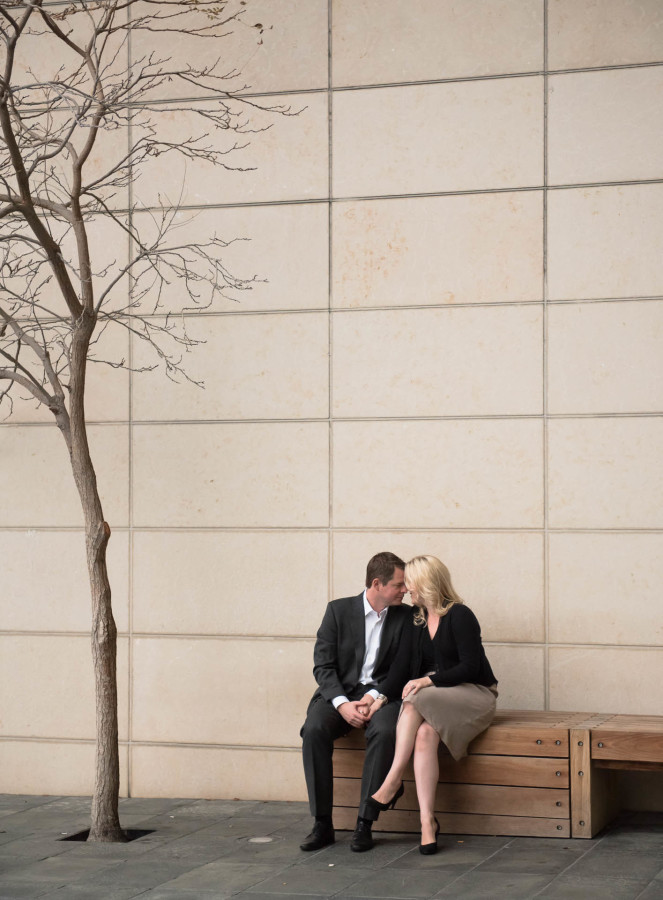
(374, 693)
(336, 702)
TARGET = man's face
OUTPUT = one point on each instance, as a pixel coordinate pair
(394, 590)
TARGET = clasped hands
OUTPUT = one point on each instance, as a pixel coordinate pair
(360, 712)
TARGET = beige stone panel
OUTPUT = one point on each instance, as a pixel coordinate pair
(273, 45)
(217, 773)
(36, 482)
(520, 674)
(583, 33)
(605, 126)
(439, 362)
(480, 248)
(605, 357)
(45, 584)
(605, 588)
(278, 255)
(204, 583)
(47, 686)
(605, 242)
(49, 767)
(240, 475)
(281, 158)
(379, 41)
(438, 137)
(499, 575)
(448, 474)
(106, 387)
(605, 473)
(108, 245)
(203, 682)
(251, 367)
(41, 57)
(607, 680)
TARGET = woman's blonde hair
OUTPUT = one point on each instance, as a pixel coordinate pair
(431, 579)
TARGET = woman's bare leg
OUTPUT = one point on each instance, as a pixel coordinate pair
(426, 776)
(406, 732)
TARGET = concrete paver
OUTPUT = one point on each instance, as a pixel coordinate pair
(218, 849)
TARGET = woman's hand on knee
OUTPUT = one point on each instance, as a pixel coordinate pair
(413, 687)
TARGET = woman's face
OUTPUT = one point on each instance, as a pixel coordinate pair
(414, 594)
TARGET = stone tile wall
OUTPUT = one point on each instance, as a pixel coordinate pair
(456, 349)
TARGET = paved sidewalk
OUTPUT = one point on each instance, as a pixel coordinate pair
(201, 850)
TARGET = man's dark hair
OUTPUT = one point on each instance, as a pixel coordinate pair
(381, 566)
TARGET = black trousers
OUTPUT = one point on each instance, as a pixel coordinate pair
(323, 725)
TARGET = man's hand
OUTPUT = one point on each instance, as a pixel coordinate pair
(353, 713)
(365, 703)
(374, 706)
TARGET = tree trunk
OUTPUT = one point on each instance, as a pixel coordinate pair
(105, 822)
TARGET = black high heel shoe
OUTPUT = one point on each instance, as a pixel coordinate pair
(430, 849)
(392, 802)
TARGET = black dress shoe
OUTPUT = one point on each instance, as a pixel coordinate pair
(320, 837)
(430, 849)
(362, 838)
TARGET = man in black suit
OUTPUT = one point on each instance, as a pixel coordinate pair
(356, 644)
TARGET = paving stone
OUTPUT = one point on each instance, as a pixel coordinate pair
(534, 843)
(76, 892)
(252, 895)
(639, 838)
(278, 847)
(568, 887)
(220, 809)
(13, 803)
(141, 872)
(196, 853)
(57, 869)
(623, 864)
(201, 849)
(653, 891)
(33, 847)
(244, 826)
(225, 878)
(151, 805)
(399, 883)
(18, 890)
(494, 886)
(543, 862)
(318, 882)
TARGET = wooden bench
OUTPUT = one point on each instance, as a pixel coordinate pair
(612, 742)
(531, 773)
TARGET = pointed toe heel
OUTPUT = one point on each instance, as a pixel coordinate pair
(392, 803)
(430, 849)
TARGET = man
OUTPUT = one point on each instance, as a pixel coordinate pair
(356, 643)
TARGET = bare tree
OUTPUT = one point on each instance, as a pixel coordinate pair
(56, 188)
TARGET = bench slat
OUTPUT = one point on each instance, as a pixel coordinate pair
(522, 771)
(472, 798)
(636, 746)
(404, 821)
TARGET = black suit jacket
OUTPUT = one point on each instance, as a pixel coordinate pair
(341, 644)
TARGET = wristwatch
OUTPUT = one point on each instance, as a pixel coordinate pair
(383, 698)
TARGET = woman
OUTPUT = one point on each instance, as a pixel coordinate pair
(451, 693)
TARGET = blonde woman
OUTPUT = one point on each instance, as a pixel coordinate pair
(450, 696)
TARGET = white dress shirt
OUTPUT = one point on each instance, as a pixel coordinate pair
(373, 623)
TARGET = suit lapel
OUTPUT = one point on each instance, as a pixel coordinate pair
(386, 637)
(359, 631)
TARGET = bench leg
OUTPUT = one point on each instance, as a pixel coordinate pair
(593, 802)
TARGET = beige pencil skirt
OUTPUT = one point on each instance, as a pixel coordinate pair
(457, 713)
